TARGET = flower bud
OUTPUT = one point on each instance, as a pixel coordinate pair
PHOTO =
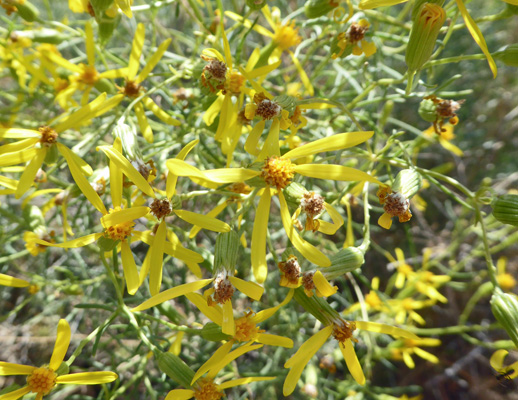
(346, 260)
(407, 182)
(505, 309)
(107, 244)
(316, 306)
(107, 26)
(226, 251)
(318, 8)
(256, 4)
(176, 369)
(212, 331)
(43, 35)
(27, 11)
(52, 155)
(419, 3)
(423, 36)
(509, 55)
(505, 209)
(428, 110)
(294, 193)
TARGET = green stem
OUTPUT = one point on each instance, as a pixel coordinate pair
(487, 253)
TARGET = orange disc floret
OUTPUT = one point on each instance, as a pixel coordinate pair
(42, 380)
(278, 172)
(287, 36)
(246, 329)
(343, 330)
(207, 390)
(48, 136)
(89, 74)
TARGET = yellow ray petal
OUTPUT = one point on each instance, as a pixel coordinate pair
(252, 141)
(125, 215)
(214, 313)
(224, 175)
(15, 369)
(17, 133)
(251, 289)
(258, 28)
(6, 280)
(129, 170)
(275, 340)
(307, 249)
(17, 158)
(213, 111)
(258, 248)
(114, 73)
(231, 357)
(263, 315)
(153, 61)
(243, 381)
(382, 328)
(323, 286)
(90, 45)
(18, 146)
(477, 35)
(335, 142)
(85, 112)
(169, 294)
(331, 228)
(79, 242)
(180, 394)
(172, 178)
(61, 345)
(15, 394)
(368, 4)
(425, 355)
(211, 214)
(352, 361)
(124, 5)
(309, 347)
(204, 221)
(27, 178)
(271, 144)
(116, 178)
(130, 268)
(497, 359)
(87, 378)
(334, 172)
(161, 114)
(264, 70)
(226, 46)
(136, 51)
(143, 123)
(252, 60)
(80, 180)
(156, 260)
(228, 327)
(213, 361)
(302, 74)
(62, 62)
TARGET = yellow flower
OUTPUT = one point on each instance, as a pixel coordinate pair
(277, 172)
(470, 24)
(342, 331)
(497, 362)
(353, 41)
(84, 6)
(505, 280)
(206, 388)
(34, 146)
(284, 36)
(42, 380)
(395, 205)
(403, 349)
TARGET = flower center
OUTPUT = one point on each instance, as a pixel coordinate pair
(131, 89)
(307, 283)
(356, 32)
(343, 330)
(287, 36)
(214, 74)
(398, 205)
(41, 380)
(234, 83)
(89, 75)
(291, 269)
(48, 136)
(373, 300)
(246, 329)
(160, 208)
(312, 204)
(119, 231)
(207, 390)
(268, 109)
(223, 289)
(278, 172)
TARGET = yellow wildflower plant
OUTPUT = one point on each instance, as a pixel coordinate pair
(404, 349)
(284, 36)
(132, 88)
(42, 380)
(206, 388)
(246, 329)
(277, 172)
(468, 20)
(497, 362)
(342, 331)
(85, 76)
(34, 146)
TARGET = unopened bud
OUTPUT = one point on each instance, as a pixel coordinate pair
(256, 4)
(176, 369)
(505, 309)
(407, 182)
(509, 55)
(27, 11)
(226, 251)
(423, 36)
(505, 209)
(52, 155)
(212, 331)
(346, 260)
(317, 8)
(428, 110)
(107, 244)
(419, 3)
(294, 193)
